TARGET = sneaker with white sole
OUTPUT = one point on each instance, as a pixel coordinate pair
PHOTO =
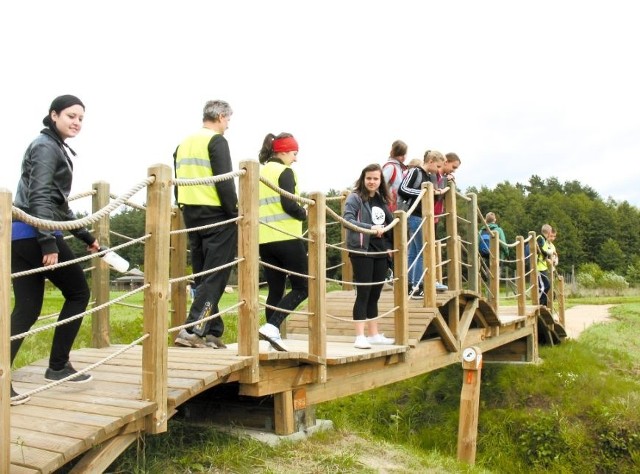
(271, 334)
(67, 371)
(361, 343)
(379, 339)
(187, 339)
(17, 399)
(441, 287)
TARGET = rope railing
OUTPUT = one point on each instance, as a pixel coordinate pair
(129, 203)
(206, 272)
(82, 371)
(77, 316)
(208, 318)
(208, 180)
(79, 259)
(20, 215)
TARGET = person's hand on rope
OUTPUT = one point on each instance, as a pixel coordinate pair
(378, 229)
(94, 247)
(49, 259)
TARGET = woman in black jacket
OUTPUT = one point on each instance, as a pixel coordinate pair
(43, 189)
(367, 207)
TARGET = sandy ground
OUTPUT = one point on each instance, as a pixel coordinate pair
(579, 317)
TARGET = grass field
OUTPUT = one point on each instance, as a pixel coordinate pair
(577, 412)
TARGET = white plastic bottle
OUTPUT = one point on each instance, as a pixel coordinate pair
(114, 260)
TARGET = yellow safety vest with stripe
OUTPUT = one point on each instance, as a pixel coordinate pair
(192, 161)
(542, 264)
(271, 211)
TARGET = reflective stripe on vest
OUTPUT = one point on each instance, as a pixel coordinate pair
(192, 161)
(271, 210)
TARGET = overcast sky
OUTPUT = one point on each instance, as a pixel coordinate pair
(515, 88)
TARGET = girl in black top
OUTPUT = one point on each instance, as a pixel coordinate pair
(43, 189)
(367, 207)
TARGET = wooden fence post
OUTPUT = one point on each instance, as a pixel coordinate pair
(101, 273)
(473, 275)
(429, 256)
(347, 269)
(469, 404)
(5, 330)
(494, 270)
(156, 296)
(400, 285)
(318, 285)
(521, 273)
(178, 268)
(248, 269)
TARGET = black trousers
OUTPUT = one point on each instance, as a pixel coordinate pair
(290, 255)
(367, 270)
(211, 248)
(28, 293)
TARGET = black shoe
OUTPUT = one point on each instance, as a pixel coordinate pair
(55, 375)
(17, 399)
(418, 294)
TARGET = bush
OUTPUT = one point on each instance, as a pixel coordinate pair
(613, 283)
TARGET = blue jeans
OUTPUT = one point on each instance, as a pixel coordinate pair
(415, 250)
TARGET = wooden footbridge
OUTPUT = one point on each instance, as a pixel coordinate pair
(137, 388)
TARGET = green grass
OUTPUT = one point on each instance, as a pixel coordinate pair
(576, 412)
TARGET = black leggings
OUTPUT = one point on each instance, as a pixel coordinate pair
(28, 293)
(290, 255)
(367, 270)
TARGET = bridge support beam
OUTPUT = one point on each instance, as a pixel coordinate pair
(469, 404)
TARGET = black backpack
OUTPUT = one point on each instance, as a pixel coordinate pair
(484, 241)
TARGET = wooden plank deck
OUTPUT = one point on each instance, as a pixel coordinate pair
(61, 423)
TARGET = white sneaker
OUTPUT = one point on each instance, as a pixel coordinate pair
(379, 339)
(271, 334)
(441, 287)
(361, 343)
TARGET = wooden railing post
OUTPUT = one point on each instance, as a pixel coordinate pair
(454, 279)
(248, 269)
(347, 269)
(561, 290)
(318, 284)
(401, 285)
(5, 329)
(533, 260)
(429, 257)
(178, 267)
(473, 260)
(100, 274)
(156, 296)
(494, 270)
(521, 283)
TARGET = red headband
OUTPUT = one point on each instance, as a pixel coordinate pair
(283, 145)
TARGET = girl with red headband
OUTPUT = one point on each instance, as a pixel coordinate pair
(280, 234)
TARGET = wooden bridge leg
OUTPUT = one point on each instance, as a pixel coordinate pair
(469, 404)
(100, 459)
(283, 413)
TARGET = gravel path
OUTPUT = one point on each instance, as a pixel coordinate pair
(579, 317)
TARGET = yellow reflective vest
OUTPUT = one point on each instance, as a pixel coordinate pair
(542, 264)
(192, 161)
(271, 211)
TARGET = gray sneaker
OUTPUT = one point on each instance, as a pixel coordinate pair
(215, 342)
(187, 339)
(67, 371)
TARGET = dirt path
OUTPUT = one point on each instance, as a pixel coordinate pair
(580, 317)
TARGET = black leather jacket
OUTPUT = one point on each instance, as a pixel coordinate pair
(44, 186)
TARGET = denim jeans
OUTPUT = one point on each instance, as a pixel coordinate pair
(415, 250)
